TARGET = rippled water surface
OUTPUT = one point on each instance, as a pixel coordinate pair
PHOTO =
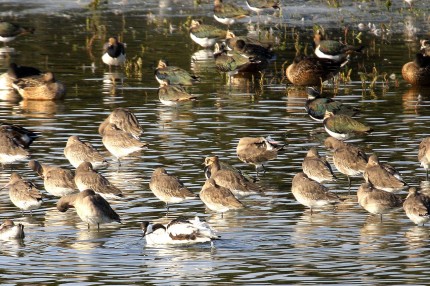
(274, 240)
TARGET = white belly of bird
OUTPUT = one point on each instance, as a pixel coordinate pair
(321, 55)
(119, 61)
(169, 102)
(204, 42)
(337, 135)
(347, 171)
(7, 158)
(5, 81)
(122, 152)
(241, 193)
(417, 219)
(58, 191)
(6, 39)
(26, 205)
(225, 21)
(12, 233)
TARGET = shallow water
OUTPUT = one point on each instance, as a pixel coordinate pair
(274, 240)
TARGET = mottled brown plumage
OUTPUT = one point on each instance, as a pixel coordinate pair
(78, 151)
(23, 193)
(123, 119)
(316, 167)
(40, 87)
(417, 206)
(383, 177)
(424, 155)
(218, 198)
(417, 72)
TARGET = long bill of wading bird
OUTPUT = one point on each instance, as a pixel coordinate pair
(258, 151)
(169, 188)
(23, 193)
(234, 181)
(57, 181)
(178, 231)
(90, 207)
(417, 206)
(317, 168)
(377, 201)
(10, 230)
(124, 119)
(113, 52)
(424, 155)
(343, 127)
(312, 194)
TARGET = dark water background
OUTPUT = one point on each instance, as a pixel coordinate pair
(274, 240)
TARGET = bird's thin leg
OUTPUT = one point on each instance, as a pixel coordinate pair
(98, 227)
(349, 185)
(427, 174)
(381, 217)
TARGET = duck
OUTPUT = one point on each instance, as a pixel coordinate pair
(231, 41)
(178, 231)
(417, 72)
(15, 72)
(417, 206)
(219, 199)
(316, 105)
(57, 181)
(377, 201)
(40, 87)
(258, 151)
(11, 150)
(424, 155)
(425, 47)
(227, 13)
(172, 95)
(343, 127)
(123, 119)
(10, 230)
(333, 50)
(91, 207)
(168, 188)
(317, 168)
(205, 35)
(232, 63)
(23, 193)
(120, 143)
(261, 5)
(235, 182)
(348, 159)
(309, 71)
(173, 75)
(383, 176)
(88, 178)
(253, 51)
(114, 52)
(9, 31)
(21, 136)
(312, 194)
(78, 151)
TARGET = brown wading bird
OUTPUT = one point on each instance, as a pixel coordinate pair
(312, 194)
(258, 151)
(78, 151)
(424, 155)
(10, 230)
(124, 120)
(417, 206)
(90, 207)
(377, 201)
(317, 168)
(168, 188)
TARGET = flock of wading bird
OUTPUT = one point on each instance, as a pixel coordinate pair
(88, 191)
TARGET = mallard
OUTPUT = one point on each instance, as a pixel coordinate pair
(43, 87)
(418, 71)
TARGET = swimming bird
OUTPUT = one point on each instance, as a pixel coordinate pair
(172, 95)
(57, 181)
(316, 105)
(383, 176)
(114, 52)
(333, 50)
(173, 75)
(218, 198)
(317, 168)
(232, 63)
(417, 206)
(87, 178)
(10, 230)
(417, 72)
(425, 47)
(310, 193)
(15, 72)
(124, 119)
(120, 143)
(231, 180)
(78, 151)
(21, 136)
(90, 207)
(178, 231)
(205, 35)
(348, 159)
(23, 193)
(342, 127)
(169, 188)
(424, 155)
(10, 149)
(258, 151)
(307, 71)
(40, 87)
(377, 201)
(231, 41)
(227, 13)
(261, 5)
(253, 51)
(9, 31)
